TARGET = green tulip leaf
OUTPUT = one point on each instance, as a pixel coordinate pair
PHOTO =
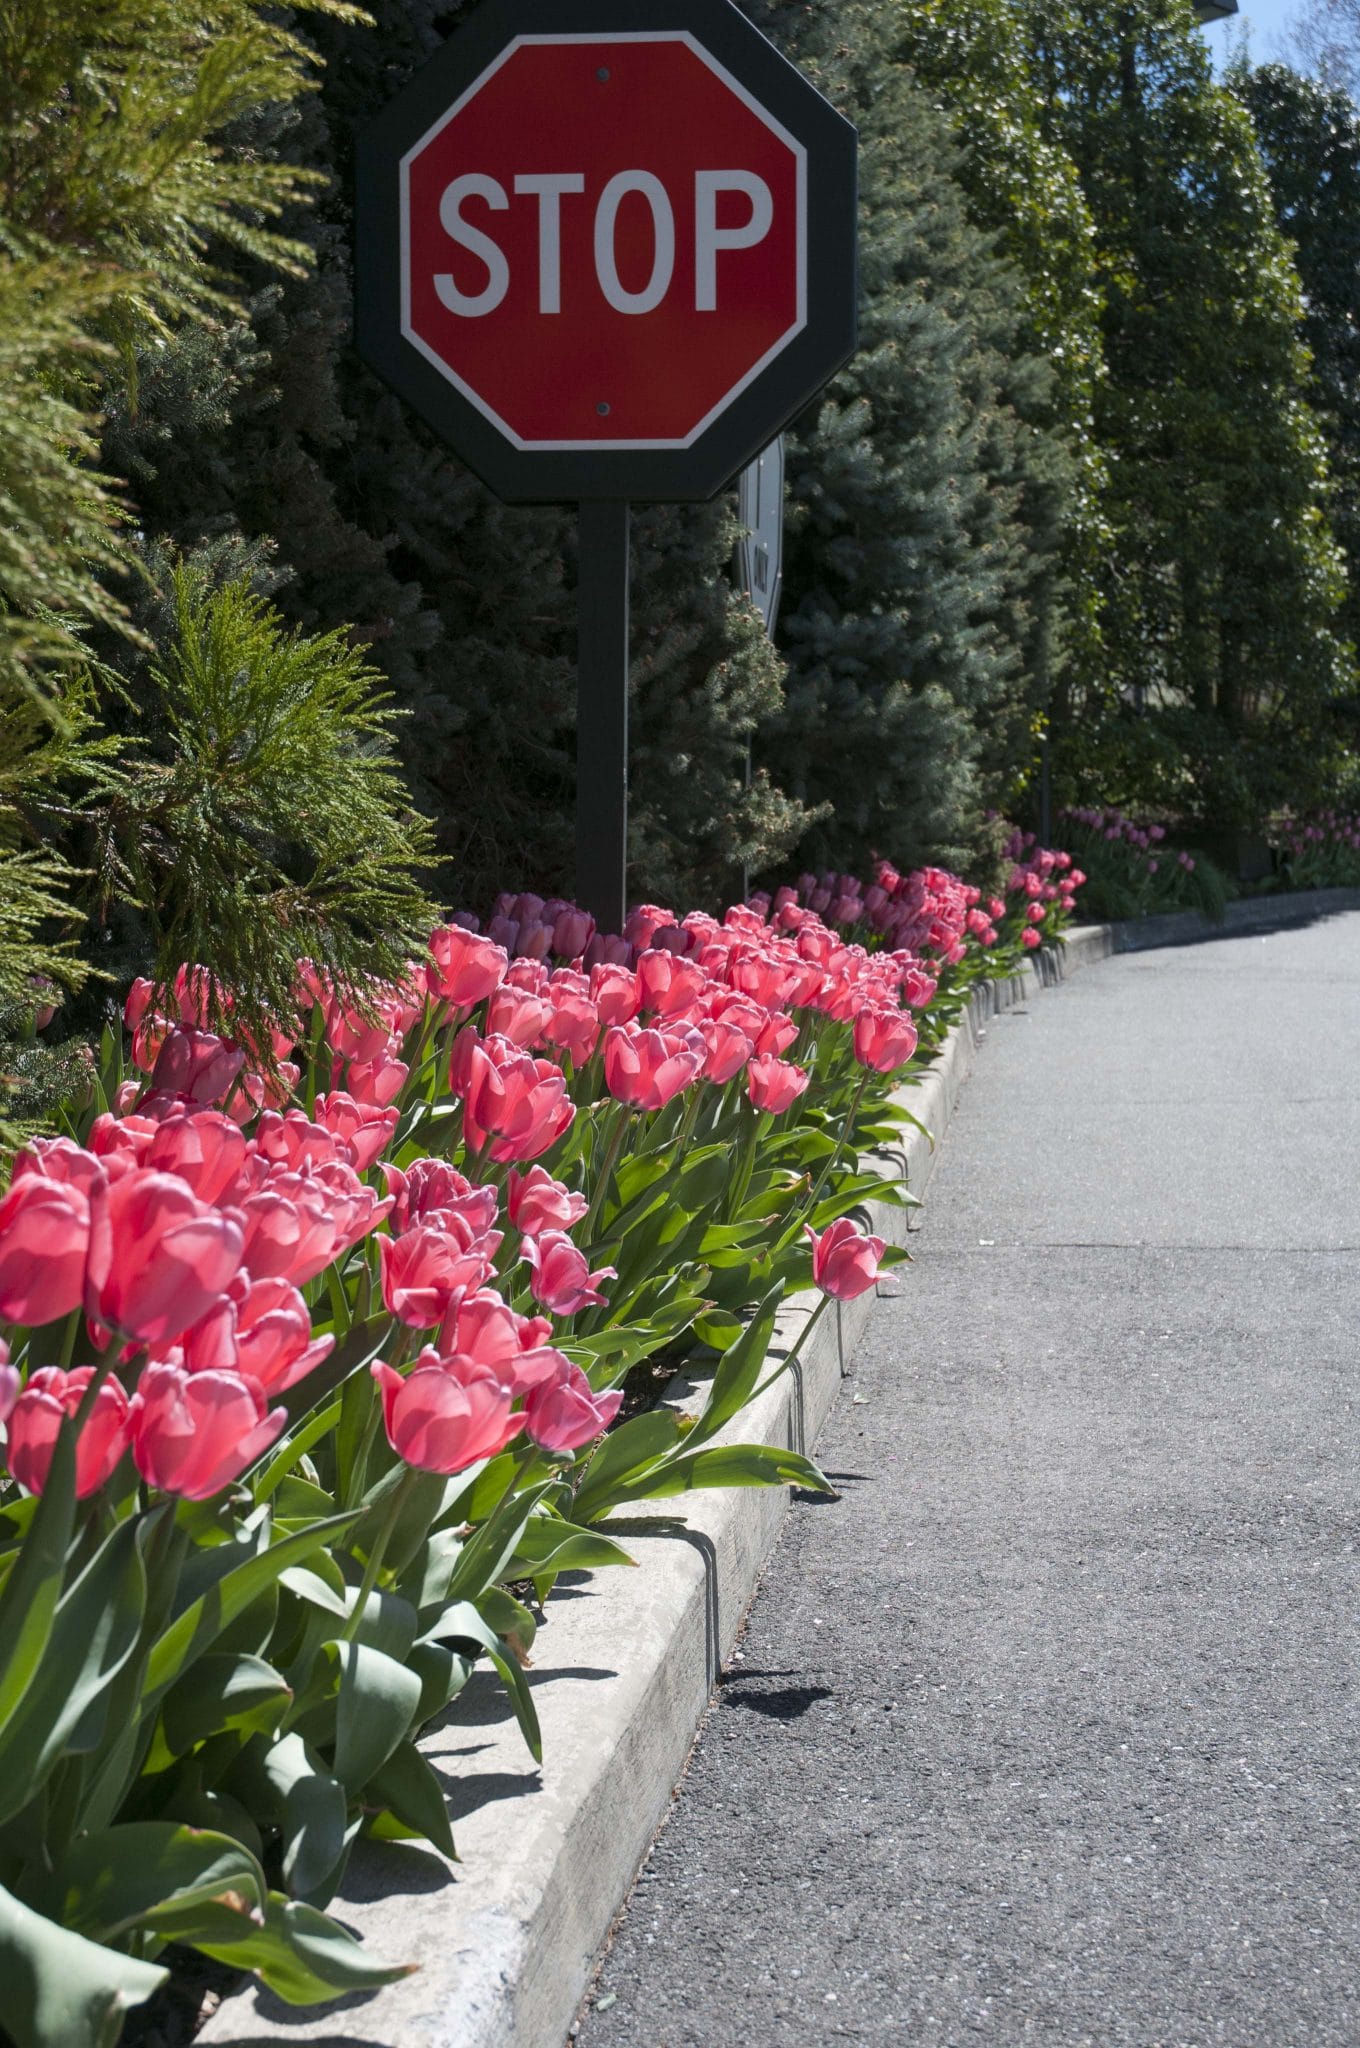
(94, 1631)
(120, 1878)
(60, 1990)
(378, 1702)
(408, 1789)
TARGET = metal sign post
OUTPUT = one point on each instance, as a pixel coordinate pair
(760, 551)
(607, 250)
(602, 714)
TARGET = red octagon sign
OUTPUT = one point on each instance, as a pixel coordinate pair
(607, 260)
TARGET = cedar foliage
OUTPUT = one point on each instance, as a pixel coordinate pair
(128, 189)
(1222, 580)
(923, 519)
(1309, 138)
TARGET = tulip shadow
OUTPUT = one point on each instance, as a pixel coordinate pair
(484, 1703)
(466, 1795)
(778, 1703)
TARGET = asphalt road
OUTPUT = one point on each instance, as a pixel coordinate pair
(1048, 1731)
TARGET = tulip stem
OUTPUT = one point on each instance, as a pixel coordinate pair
(834, 1161)
(68, 1339)
(784, 1363)
(606, 1173)
(378, 1552)
(686, 1131)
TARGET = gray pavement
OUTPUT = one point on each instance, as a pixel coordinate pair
(1048, 1731)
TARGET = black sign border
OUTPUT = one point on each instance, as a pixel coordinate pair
(770, 402)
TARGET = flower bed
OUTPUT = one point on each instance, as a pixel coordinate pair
(1320, 851)
(309, 1406)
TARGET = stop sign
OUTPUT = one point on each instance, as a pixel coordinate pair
(607, 250)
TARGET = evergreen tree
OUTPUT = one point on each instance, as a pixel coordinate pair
(983, 72)
(467, 604)
(129, 193)
(1223, 581)
(910, 570)
(1309, 137)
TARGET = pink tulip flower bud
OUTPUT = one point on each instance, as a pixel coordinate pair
(537, 1202)
(158, 1257)
(484, 1327)
(560, 1276)
(44, 1244)
(464, 967)
(424, 1270)
(38, 1413)
(195, 1433)
(845, 1259)
(204, 1148)
(884, 1039)
(515, 1014)
(197, 1065)
(366, 1130)
(572, 933)
(615, 992)
(273, 1341)
(138, 1002)
(564, 1412)
(649, 1068)
(447, 1415)
(774, 1085)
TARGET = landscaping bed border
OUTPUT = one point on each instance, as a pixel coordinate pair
(623, 1669)
(1247, 914)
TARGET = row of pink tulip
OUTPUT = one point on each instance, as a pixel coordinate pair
(348, 1319)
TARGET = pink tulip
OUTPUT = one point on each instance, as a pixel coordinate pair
(429, 1187)
(44, 1243)
(291, 1229)
(845, 1259)
(203, 1147)
(483, 1327)
(59, 1159)
(728, 1050)
(538, 1202)
(518, 1015)
(195, 1433)
(573, 1024)
(615, 993)
(447, 1415)
(464, 967)
(423, 1271)
(366, 1130)
(518, 1102)
(353, 1035)
(572, 932)
(884, 1039)
(778, 1032)
(560, 1275)
(563, 1413)
(377, 1082)
(294, 1141)
(50, 1396)
(9, 1383)
(667, 982)
(158, 1256)
(197, 1065)
(138, 1002)
(121, 1141)
(263, 1329)
(775, 1085)
(649, 1068)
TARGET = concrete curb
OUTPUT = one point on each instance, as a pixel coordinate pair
(1252, 914)
(625, 1665)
